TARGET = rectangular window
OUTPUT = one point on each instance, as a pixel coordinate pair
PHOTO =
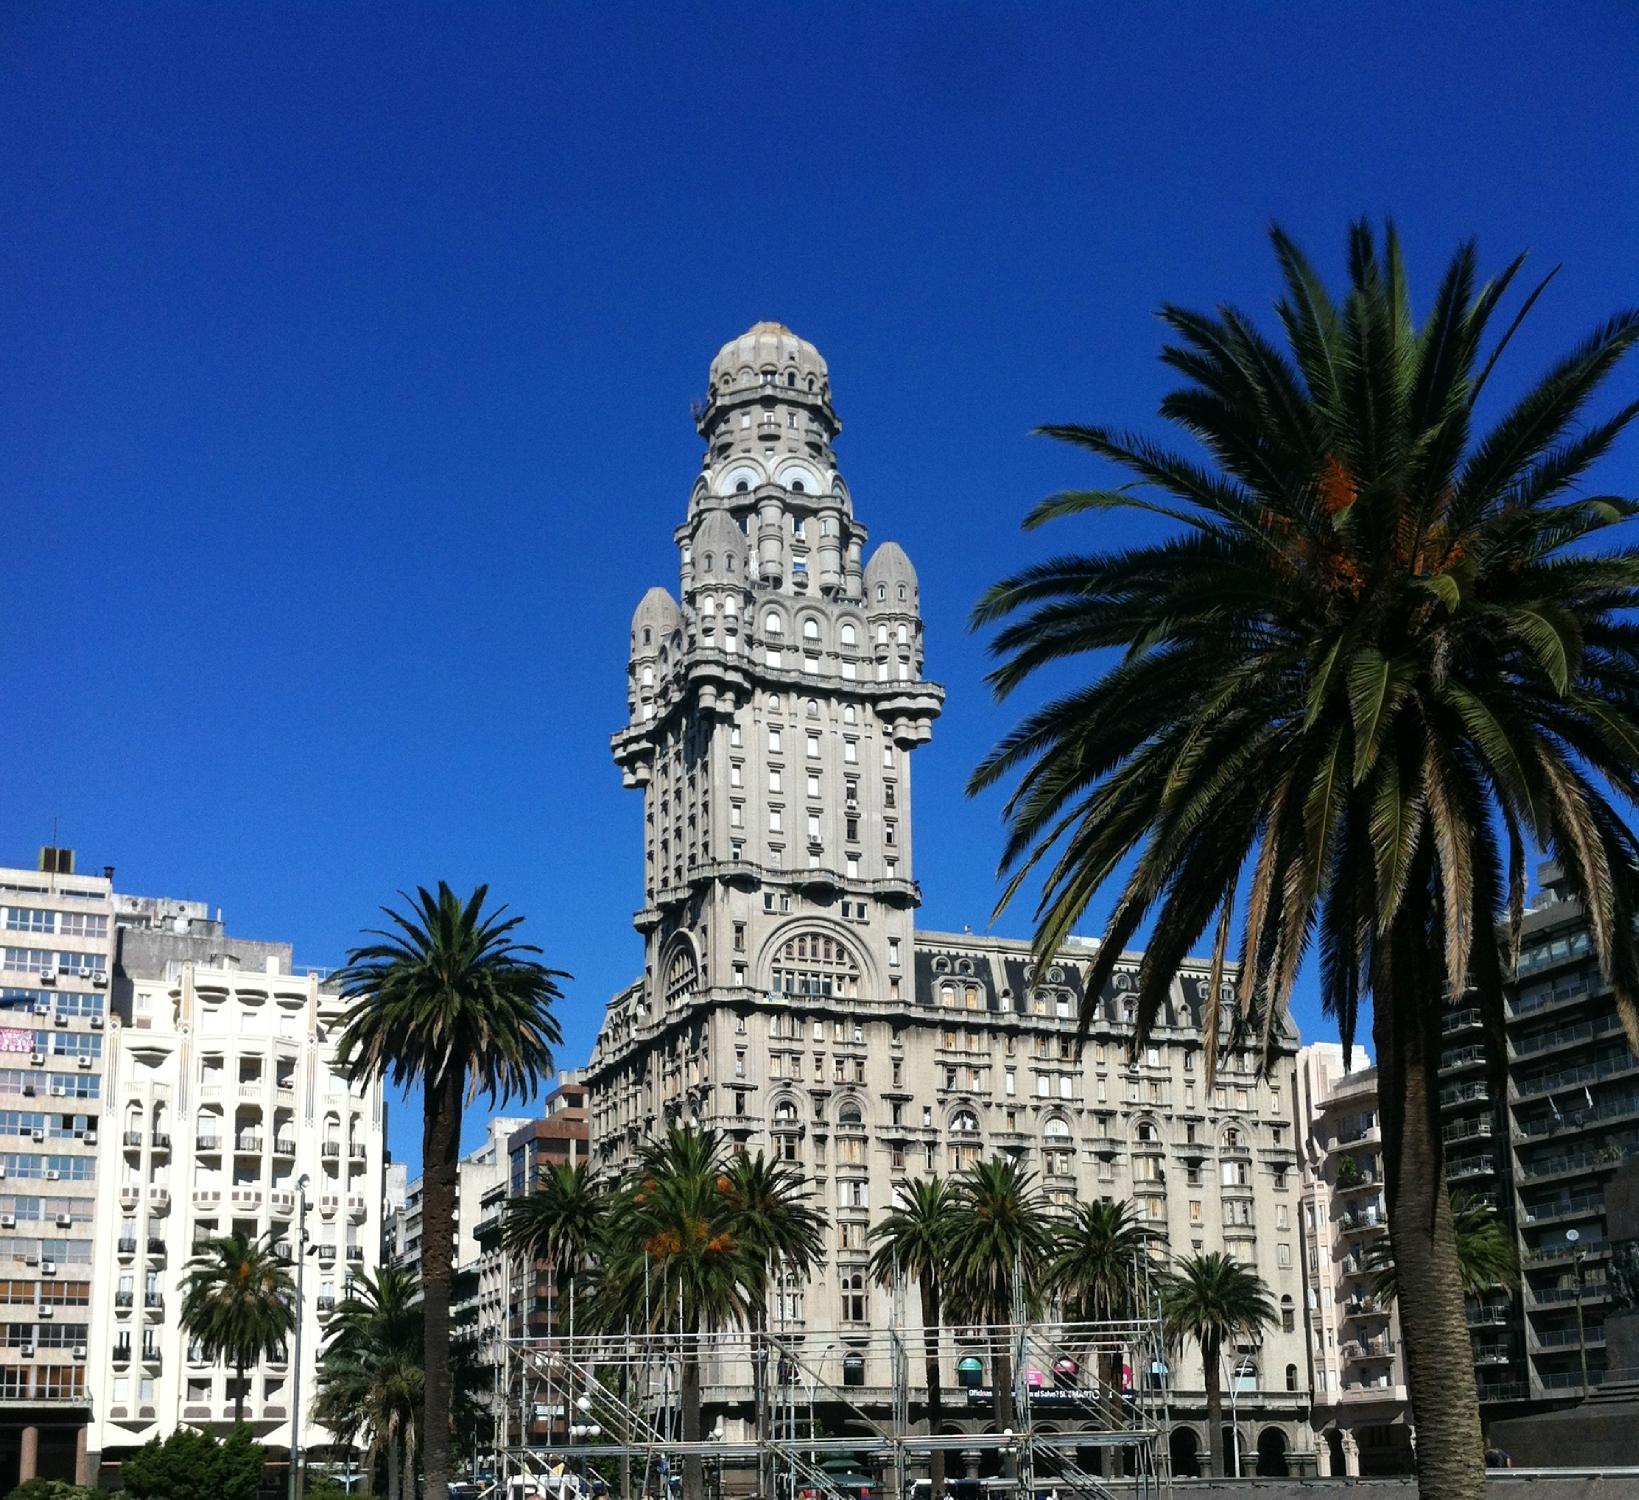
(893, 950)
(776, 820)
(850, 751)
(776, 781)
(774, 741)
(813, 828)
(736, 773)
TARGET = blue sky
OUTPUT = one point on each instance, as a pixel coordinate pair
(344, 412)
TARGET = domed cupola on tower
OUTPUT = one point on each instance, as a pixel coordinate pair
(657, 637)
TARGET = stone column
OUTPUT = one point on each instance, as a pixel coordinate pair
(82, 1457)
(1323, 1456)
(1351, 1455)
(28, 1455)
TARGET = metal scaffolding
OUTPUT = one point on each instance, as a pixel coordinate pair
(791, 1409)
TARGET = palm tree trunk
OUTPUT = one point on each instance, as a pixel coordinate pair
(936, 1395)
(759, 1382)
(694, 1465)
(238, 1391)
(1439, 1354)
(395, 1489)
(440, 1148)
(1214, 1408)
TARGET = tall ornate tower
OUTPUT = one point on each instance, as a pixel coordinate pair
(773, 712)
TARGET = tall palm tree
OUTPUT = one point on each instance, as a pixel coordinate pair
(1216, 1301)
(558, 1223)
(1377, 662)
(239, 1304)
(677, 1262)
(785, 1236)
(1486, 1256)
(447, 999)
(913, 1241)
(1094, 1266)
(370, 1378)
(1000, 1246)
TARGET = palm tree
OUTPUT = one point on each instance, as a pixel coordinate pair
(677, 1262)
(1486, 1256)
(370, 1380)
(1214, 1300)
(1000, 1246)
(447, 999)
(1377, 662)
(1094, 1266)
(786, 1236)
(239, 1304)
(558, 1223)
(913, 1241)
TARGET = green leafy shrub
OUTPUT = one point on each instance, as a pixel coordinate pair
(55, 1489)
(195, 1466)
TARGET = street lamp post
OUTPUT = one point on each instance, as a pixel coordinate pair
(1244, 1362)
(301, 1308)
(1573, 1236)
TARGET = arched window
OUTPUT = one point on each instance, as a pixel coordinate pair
(850, 715)
(882, 635)
(798, 487)
(964, 1122)
(741, 487)
(850, 1114)
(772, 623)
(790, 377)
(1056, 1130)
(812, 709)
(1288, 1321)
(849, 634)
(1232, 1139)
(970, 996)
(785, 1113)
(731, 605)
(1146, 1131)
(902, 592)
(773, 704)
(947, 993)
(708, 605)
(815, 964)
(1291, 1377)
(810, 629)
(882, 591)
(682, 975)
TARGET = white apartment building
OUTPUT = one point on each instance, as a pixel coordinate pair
(1361, 1414)
(56, 948)
(226, 1105)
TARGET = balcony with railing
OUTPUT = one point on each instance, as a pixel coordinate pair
(1480, 1129)
(1579, 1206)
(1455, 1095)
(1567, 1338)
(1572, 1162)
(1623, 1106)
(1567, 1036)
(1455, 1059)
(1471, 1166)
(1615, 1065)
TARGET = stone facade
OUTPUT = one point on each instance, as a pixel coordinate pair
(786, 997)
